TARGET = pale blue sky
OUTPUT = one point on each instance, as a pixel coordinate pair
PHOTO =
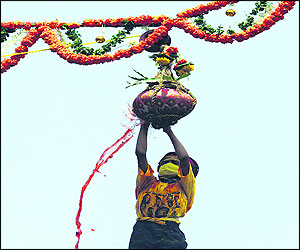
(57, 119)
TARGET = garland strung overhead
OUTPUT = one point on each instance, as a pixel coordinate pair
(163, 23)
(261, 7)
(80, 49)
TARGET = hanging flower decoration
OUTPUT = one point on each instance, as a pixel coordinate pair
(164, 60)
(162, 24)
(78, 48)
(183, 67)
(261, 8)
(30, 39)
(172, 51)
(166, 57)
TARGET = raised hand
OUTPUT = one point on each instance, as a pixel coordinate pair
(167, 129)
(144, 124)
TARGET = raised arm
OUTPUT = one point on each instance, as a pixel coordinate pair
(180, 151)
(141, 147)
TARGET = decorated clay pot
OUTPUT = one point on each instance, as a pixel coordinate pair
(166, 40)
(162, 106)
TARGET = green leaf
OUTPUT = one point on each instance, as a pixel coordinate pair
(135, 78)
(139, 74)
(167, 77)
(181, 77)
(151, 80)
(132, 84)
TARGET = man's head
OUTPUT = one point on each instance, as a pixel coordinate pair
(168, 166)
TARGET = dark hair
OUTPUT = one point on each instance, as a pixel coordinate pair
(194, 164)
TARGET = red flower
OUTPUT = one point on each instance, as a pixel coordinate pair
(117, 55)
(225, 39)
(27, 26)
(158, 19)
(21, 49)
(74, 25)
(115, 22)
(108, 21)
(172, 50)
(182, 61)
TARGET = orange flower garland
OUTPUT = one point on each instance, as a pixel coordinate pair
(216, 5)
(30, 39)
(44, 30)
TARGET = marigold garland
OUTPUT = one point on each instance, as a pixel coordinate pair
(30, 39)
(78, 47)
(44, 30)
(260, 6)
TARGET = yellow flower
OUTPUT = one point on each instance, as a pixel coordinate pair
(185, 69)
(189, 67)
(162, 60)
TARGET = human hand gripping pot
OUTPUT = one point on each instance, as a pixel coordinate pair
(163, 200)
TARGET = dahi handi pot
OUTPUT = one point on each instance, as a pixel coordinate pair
(164, 104)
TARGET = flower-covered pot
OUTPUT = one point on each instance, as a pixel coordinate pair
(163, 105)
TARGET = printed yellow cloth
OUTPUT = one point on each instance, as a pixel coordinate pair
(159, 201)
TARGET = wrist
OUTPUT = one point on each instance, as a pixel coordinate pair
(169, 132)
(144, 127)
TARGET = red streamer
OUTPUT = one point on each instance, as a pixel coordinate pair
(107, 154)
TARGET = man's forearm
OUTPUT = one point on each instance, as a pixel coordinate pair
(141, 145)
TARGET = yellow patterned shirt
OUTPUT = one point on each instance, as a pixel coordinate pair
(158, 201)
